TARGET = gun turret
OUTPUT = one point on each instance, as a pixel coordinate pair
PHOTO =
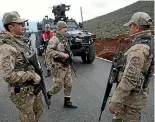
(59, 12)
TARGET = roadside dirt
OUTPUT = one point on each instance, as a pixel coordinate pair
(106, 49)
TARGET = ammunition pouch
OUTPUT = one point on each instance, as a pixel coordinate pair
(65, 62)
(18, 88)
(25, 86)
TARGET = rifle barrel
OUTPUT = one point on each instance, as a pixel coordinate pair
(100, 116)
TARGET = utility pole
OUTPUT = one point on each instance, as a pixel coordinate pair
(81, 17)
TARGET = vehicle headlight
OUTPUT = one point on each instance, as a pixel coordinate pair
(86, 39)
(78, 40)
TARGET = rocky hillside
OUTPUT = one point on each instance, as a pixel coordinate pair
(110, 25)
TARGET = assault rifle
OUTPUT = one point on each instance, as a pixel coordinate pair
(32, 60)
(111, 80)
(112, 77)
(69, 60)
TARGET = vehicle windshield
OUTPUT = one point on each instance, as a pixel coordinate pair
(70, 24)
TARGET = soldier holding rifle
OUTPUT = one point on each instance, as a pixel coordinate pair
(17, 72)
(58, 59)
(131, 71)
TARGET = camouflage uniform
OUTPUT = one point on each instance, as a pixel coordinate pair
(61, 74)
(17, 73)
(131, 95)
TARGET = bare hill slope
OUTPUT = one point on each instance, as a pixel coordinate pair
(110, 25)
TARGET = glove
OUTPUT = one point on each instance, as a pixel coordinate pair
(36, 78)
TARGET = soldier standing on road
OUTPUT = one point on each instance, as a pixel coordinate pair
(131, 93)
(45, 39)
(19, 75)
(56, 55)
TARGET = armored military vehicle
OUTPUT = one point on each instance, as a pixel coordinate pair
(27, 29)
(27, 34)
(81, 42)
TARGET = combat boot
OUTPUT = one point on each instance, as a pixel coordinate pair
(48, 73)
(49, 95)
(68, 103)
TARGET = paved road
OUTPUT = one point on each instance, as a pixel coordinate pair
(88, 91)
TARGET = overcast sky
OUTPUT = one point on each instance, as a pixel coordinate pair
(35, 10)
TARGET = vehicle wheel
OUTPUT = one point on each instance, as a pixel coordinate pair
(91, 54)
(84, 58)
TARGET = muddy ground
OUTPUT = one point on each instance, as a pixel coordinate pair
(108, 48)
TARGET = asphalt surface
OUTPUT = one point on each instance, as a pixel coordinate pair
(87, 93)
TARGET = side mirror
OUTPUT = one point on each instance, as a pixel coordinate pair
(80, 25)
(39, 26)
(27, 24)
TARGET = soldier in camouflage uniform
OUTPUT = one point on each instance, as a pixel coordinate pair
(131, 93)
(19, 75)
(55, 58)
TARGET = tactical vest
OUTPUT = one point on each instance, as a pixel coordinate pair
(144, 39)
(63, 40)
(148, 40)
(27, 52)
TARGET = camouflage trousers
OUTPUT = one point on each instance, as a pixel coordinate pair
(30, 106)
(45, 62)
(128, 114)
(62, 78)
